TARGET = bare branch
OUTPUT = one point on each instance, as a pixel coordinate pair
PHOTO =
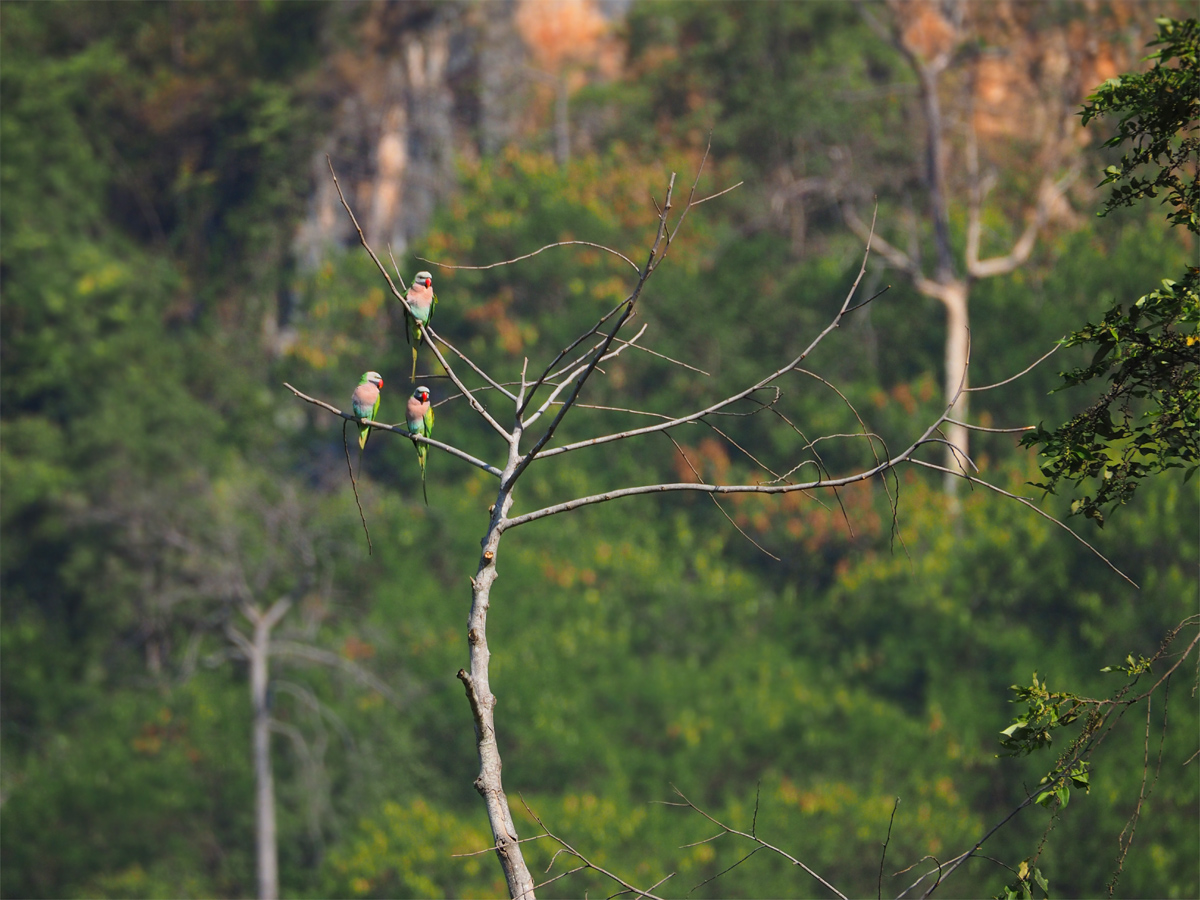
(717, 194)
(595, 329)
(495, 385)
(581, 368)
(662, 356)
(399, 277)
(1044, 515)
(1017, 430)
(1028, 368)
(883, 855)
(354, 486)
(509, 262)
(475, 404)
(726, 870)
(1048, 193)
(718, 505)
(631, 304)
(362, 237)
(728, 401)
(587, 863)
(333, 660)
(403, 432)
(431, 343)
(762, 845)
(692, 486)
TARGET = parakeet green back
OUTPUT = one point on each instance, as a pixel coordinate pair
(365, 402)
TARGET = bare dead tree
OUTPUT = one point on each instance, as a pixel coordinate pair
(291, 548)
(930, 38)
(538, 406)
(211, 556)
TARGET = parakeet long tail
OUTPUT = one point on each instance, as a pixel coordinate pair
(363, 434)
(414, 369)
(423, 452)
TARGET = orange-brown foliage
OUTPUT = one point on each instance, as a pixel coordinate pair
(561, 31)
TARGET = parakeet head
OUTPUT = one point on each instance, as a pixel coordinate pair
(423, 279)
(421, 394)
(372, 378)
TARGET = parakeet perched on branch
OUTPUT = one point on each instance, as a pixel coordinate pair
(419, 415)
(365, 401)
(421, 302)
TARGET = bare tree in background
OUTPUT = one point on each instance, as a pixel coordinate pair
(216, 553)
(1021, 103)
(536, 407)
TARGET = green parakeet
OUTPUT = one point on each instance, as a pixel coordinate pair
(419, 415)
(365, 401)
(421, 301)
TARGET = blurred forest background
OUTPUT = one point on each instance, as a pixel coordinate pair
(173, 251)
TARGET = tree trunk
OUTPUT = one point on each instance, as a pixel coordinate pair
(562, 122)
(264, 783)
(483, 704)
(954, 298)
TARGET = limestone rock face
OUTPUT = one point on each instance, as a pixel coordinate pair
(415, 87)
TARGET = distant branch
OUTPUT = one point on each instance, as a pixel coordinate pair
(516, 259)
(762, 845)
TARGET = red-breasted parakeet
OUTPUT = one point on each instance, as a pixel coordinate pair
(419, 416)
(421, 301)
(365, 401)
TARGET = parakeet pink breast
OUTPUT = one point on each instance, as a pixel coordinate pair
(363, 399)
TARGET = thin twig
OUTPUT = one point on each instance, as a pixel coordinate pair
(717, 194)
(595, 329)
(874, 296)
(1044, 515)
(362, 237)
(587, 863)
(726, 870)
(664, 356)
(883, 856)
(399, 277)
(1028, 368)
(734, 398)
(1017, 430)
(763, 845)
(492, 383)
(718, 505)
(346, 447)
(509, 262)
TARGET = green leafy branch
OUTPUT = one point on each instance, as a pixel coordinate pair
(1160, 117)
(1047, 712)
(1148, 420)
(1021, 888)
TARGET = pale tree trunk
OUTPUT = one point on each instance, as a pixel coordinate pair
(562, 122)
(954, 298)
(945, 284)
(257, 651)
(483, 704)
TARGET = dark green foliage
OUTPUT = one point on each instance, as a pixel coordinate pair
(1159, 114)
(1147, 421)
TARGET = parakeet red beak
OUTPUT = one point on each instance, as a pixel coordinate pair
(428, 282)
